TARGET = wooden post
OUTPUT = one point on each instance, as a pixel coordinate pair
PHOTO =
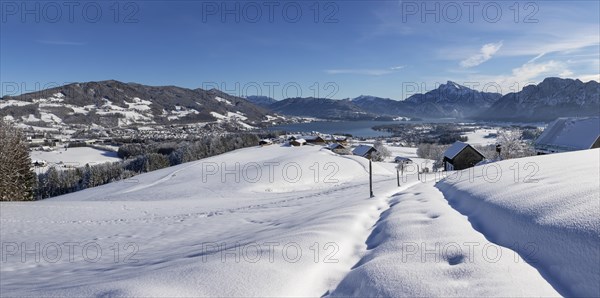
(398, 176)
(371, 178)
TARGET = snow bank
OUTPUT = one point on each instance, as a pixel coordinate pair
(421, 247)
(548, 211)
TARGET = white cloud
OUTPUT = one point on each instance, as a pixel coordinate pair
(485, 53)
(589, 77)
(526, 74)
(366, 72)
(532, 70)
(570, 42)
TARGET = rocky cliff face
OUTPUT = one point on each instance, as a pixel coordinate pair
(550, 99)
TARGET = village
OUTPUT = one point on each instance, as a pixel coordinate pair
(561, 135)
(469, 145)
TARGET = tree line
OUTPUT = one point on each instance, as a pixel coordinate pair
(138, 158)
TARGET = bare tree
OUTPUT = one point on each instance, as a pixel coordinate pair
(16, 176)
(513, 145)
(382, 152)
(434, 152)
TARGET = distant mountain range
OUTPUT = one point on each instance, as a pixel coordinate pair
(112, 103)
(324, 108)
(550, 99)
(449, 100)
(260, 100)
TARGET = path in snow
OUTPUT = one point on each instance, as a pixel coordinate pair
(421, 247)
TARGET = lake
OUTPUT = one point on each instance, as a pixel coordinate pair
(355, 128)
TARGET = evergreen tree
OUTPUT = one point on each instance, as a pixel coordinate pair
(17, 179)
(53, 182)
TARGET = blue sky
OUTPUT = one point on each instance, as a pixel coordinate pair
(284, 49)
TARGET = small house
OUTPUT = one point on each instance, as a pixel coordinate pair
(337, 148)
(569, 134)
(335, 139)
(265, 142)
(341, 139)
(316, 140)
(460, 156)
(297, 142)
(404, 160)
(328, 138)
(365, 151)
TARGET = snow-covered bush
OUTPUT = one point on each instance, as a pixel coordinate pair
(381, 152)
(434, 152)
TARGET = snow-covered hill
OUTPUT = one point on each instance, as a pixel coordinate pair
(246, 223)
(178, 218)
(546, 207)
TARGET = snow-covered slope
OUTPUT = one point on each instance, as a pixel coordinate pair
(421, 247)
(246, 223)
(197, 233)
(548, 211)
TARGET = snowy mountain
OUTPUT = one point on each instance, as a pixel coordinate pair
(381, 106)
(550, 99)
(113, 103)
(448, 100)
(451, 100)
(260, 100)
(324, 108)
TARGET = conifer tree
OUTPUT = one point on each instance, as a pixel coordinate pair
(17, 179)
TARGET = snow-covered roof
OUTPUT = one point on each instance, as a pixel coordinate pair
(402, 159)
(454, 149)
(362, 150)
(570, 133)
(310, 138)
(334, 146)
(301, 141)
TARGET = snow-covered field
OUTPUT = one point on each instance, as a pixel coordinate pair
(298, 221)
(478, 137)
(73, 157)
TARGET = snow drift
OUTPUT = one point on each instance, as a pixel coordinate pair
(546, 208)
